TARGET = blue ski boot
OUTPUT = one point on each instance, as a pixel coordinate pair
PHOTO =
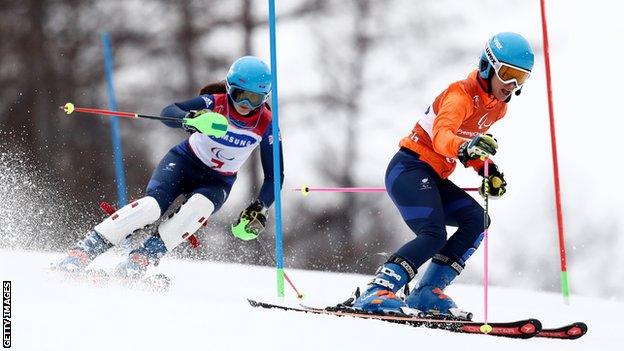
(429, 297)
(135, 266)
(83, 253)
(379, 296)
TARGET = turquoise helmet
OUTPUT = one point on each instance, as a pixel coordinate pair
(248, 82)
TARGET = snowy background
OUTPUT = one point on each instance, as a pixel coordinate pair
(354, 77)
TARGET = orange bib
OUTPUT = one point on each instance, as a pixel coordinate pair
(462, 111)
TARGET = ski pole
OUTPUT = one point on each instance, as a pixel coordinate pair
(299, 295)
(69, 108)
(485, 328)
(209, 123)
(305, 190)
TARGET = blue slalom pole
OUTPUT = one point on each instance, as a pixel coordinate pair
(279, 257)
(112, 104)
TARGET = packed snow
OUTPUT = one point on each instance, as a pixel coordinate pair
(206, 309)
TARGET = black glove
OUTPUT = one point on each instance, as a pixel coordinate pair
(190, 115)
(496, 184)
(482, 145)
(251, 222)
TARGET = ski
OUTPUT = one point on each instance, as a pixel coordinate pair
(521, 329)
(568, 332)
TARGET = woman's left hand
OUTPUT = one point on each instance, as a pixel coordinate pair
(251, 222)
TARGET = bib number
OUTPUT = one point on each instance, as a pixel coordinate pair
(217, 163)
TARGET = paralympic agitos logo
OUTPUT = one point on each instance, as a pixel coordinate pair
(217, 152)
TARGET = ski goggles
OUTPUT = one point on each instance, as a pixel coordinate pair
(246, 97)
(505, 72)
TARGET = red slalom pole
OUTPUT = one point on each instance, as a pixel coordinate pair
(565, 290)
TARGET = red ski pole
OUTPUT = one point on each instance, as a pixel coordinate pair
(209, 123)
(69, 108)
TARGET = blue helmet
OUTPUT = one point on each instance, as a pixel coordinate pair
(248, 81)
(508, 48)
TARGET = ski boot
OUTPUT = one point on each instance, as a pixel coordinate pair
(83, 253)
(135, 266)
(430, 298)
(379, 296)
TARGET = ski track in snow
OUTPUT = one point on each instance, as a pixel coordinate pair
(206, 309)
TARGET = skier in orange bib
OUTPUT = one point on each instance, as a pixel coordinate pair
(453, 128)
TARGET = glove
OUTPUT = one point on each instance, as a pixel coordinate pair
(206, 122)
(190, 115)
(495, 184)
(251, 221)
(482, 145)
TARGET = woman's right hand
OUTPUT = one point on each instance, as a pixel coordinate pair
(190, 115)
(206, 122)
